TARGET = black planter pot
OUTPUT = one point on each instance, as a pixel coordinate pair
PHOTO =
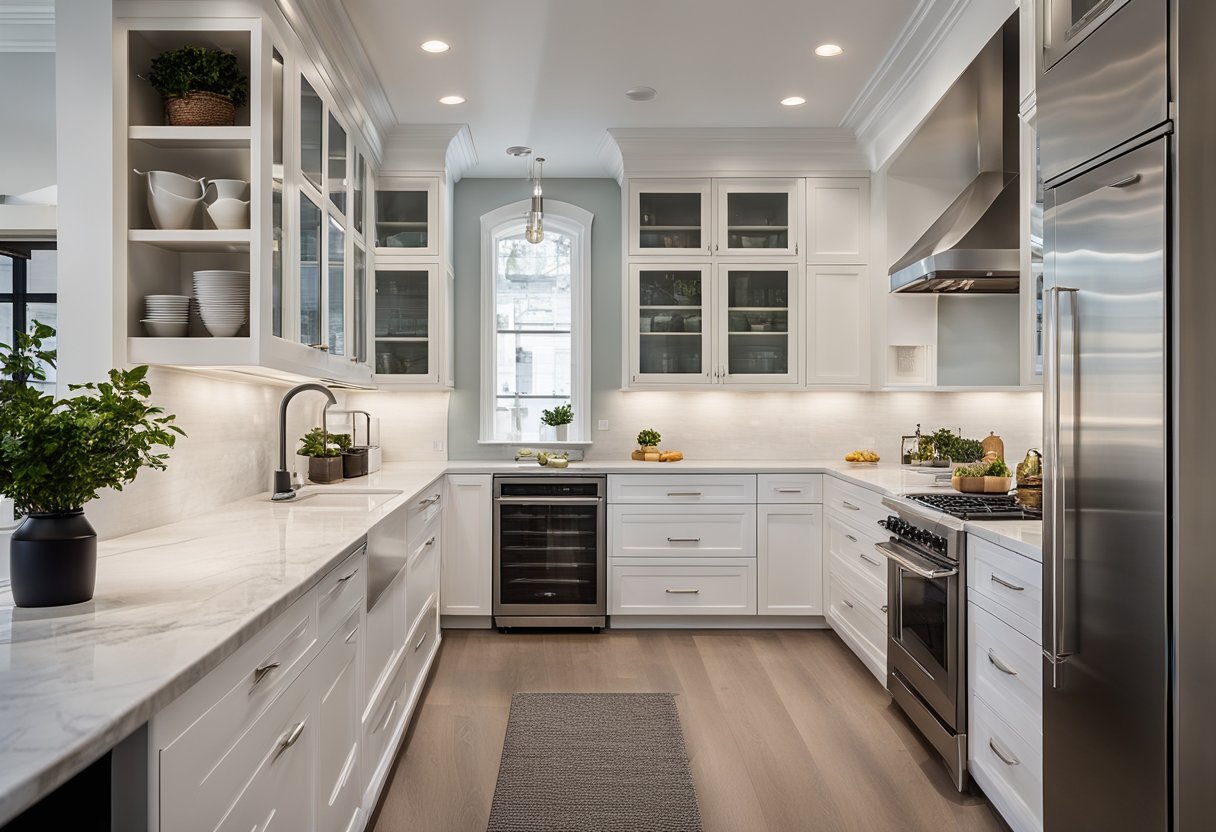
(325, 469)
(53, 560)
(354, 463)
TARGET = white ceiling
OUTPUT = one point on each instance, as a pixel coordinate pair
(551, 74)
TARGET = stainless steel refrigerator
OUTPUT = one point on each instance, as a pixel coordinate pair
(1125, 100)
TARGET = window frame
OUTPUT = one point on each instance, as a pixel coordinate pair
(571, 221)
(20, 253)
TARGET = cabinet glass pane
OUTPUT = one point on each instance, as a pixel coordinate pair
(757, 220)
(276, 113)
(758, 354)
(402, 358)
(758, 322)
(336, 256)
(402, 304)
(401, 219)
(276, 257)
(337, 164)
(360, 177)
(663, 353)
(311, 124)
(359, 275)
(310, 271)
(670, 321)
(669, 220)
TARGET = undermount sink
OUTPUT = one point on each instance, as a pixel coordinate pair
(345, 500)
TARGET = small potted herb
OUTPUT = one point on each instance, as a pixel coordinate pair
(57, 454)
(201, 87)
(354, 460)
(648, 441)
(559, 418)
(324, 456)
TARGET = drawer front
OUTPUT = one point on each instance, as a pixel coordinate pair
(789, 488)
(248, 779)
(424, 508)
(422, 572)
(382, 721)
(1007, 585)
(683, 590)
(851, 546)
(854, 504)
(1008, 766)
(682, 531)
(864, 632)
(383, 638)
(335, 674)
(689, 489)
(871, 596)
(341, 589)
(1006, 670)
(422, 643)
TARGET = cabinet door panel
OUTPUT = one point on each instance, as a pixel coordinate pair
(406, 217)
(467, 555)
(670, 324)
(336, 680)
(669, 217)
(406, 331)
(839, 331)
(760, 323)
(790, 557)
(758, 217)
(838, 221)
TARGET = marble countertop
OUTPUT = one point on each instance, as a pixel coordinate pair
(173, 602)
(1022, 536)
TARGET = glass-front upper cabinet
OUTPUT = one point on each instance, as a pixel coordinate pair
(335, 173)
(335, 306)
(758, 217)
(406, 216)
(670, 330)
(312, 128)
(407, 322)
(309, 294)
(670, 217)
(358, 194)
(758, 321)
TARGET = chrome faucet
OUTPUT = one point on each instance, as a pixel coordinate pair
(368, 417)
(283, 489)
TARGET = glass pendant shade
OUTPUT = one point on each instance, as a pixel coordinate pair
(535, 232)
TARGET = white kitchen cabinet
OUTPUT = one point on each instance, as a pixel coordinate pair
(838, 331)
(789, 488)
(681, 531)
(406, 217)
(406, 342)
(838, 221)
(681, 489)
(468, 546)
(681, 588)
(670, 217)
(758, 324)
(789, 559)
(671, 324)
(859, 627)
(1008, 766)
(758, 217)
(422, 571)
(336, 684)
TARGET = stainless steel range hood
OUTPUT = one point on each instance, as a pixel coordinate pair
(974, 247)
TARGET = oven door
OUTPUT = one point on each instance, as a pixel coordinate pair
(924, 626)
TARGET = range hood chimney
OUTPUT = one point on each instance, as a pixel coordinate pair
(974, 247)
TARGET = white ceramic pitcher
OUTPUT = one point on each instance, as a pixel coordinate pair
(173, 199)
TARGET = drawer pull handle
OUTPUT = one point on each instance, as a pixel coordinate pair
(419, 644)
(998, 580)
(289, 739)
(884, 609)
(683, 540)
(1005, 757)
(429, 500)
(351, 635)
(346, 578)
(430, 542)
(869, 559)
(789, 490)
(683, 591)
(260, 673)
(847, 603)
(1000, 665)
(684, 494)
(850, 538)
(849, 505)
(388, 717)
(338, 585)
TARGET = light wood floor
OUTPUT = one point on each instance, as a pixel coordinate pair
(786, 729)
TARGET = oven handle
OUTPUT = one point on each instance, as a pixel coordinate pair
(544, 501)
(914, 563)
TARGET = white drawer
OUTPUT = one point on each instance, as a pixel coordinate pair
(789, 488)
(1007, 585)
(382, 720)
(383, 637)
(853, 547)
(685, 488)
(682, 531)
(1006, 670)
(424, 508)
(419, 648)
(1008, 766)
(864, 632)
(870, 595)
(853, 503)
(683, 590)
(344, 587)
(422, 572)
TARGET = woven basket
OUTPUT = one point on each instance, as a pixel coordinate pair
(200, 109)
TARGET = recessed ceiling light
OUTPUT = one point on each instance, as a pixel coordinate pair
(793, 101)
(641, 93)
(452, 99)
(828, 50)
(435, 46)
(519, 150)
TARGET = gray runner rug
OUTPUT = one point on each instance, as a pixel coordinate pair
(594, 762)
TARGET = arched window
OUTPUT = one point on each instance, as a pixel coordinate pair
(536, 326)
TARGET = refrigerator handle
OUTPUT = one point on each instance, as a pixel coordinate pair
(1060, 645)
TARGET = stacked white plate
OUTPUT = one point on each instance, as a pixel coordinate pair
(168, 315)
(223, 300)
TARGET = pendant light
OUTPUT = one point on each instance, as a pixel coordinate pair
(535, 232)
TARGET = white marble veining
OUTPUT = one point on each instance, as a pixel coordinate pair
(172, 602)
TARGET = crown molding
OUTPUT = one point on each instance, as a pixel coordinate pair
(429, 149)
(938, 44)
(735, 151)
(609, 154)
(27, 28)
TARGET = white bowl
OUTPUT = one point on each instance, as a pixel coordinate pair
(167, 329)
(171, 211)
(223, 330)
(166, 181)
(227, 188)
(229, 213)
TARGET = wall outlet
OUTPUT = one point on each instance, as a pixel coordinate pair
(602, 424)
(437, 445)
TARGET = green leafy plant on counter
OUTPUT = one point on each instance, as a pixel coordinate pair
(948, 445)
(57, 454)
(984, 469)
(563, 414)
(316, 443)
(179, 72)
(649, 438)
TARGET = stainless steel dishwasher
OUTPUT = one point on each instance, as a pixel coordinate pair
(550, 563)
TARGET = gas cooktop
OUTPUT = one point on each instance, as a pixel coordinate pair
(978, 506)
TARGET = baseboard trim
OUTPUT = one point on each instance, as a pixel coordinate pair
(717, 622)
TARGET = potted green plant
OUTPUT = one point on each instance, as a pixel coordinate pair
(946, 449)
(324, 456)
(559, 418)
(201, 87)
(57, 454)
(648, 441)
(354, 460)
